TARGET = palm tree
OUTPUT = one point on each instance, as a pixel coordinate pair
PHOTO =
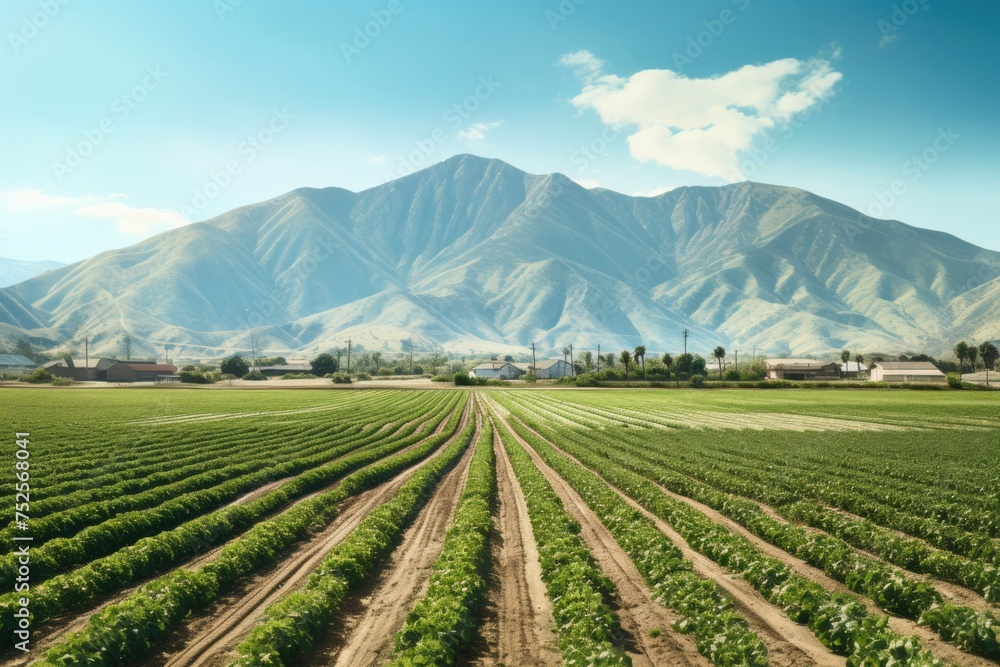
(376, 357)
(989, 353)
(640, 355)
(961, 353)
(973, 355)
(719, 353)
(626, 359)
(668, 361)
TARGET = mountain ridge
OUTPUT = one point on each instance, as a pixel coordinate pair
(475, 255)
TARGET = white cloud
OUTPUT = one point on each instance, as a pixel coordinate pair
(133, 221)
(655, 192)
(30, 199)
(888, 38)
(702, 125)
(376, 159)
(476, 133)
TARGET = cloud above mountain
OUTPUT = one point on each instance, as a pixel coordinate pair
(701, 124)
(128, 219)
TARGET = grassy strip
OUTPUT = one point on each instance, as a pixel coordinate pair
(125, 631)
(839, 621)
(291, 625)
(442, 623)
(586, 626)
(722, 634)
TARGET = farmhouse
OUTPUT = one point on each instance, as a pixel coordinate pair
(128, 371)
(16, 363)
(496, 369)
(80, 369)
(551, 369)
(281, 369)
(801, 369)
(907, 371)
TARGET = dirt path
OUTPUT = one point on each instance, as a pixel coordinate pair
(366, 629)
(788, 643)
(639, 612)
(212, 636)
(517, 628)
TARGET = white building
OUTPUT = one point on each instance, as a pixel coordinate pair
(907, 371)
(550, 369)
(496, 369)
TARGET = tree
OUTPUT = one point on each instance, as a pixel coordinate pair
(508, 358)
(961, 353)
(845, 356)
(407, 345)
(609, 360)
(989, 353)
(588, 360)
(235, 365)
(324, 364)
(668, 361)
(376, 358)
(719, 353)
(626, 359)
(640, 356)
(973, 355)
(565, 352)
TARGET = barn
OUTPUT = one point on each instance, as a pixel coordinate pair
(907, 371)
(550, 369)
(801, 369)
(16, 363)
(81, 370)
(130, 371)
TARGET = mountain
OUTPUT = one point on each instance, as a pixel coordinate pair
(473, 254)
(13, 271)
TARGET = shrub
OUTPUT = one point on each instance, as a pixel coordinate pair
(462, 380)
(62, 382)
(192, 376)
(38, 376)
(587, 380)
(954, 380)
(341, 378)
(697, 380)
(363, 376)
(297, 376)
(442, 378)
(530, 378)
(256, 377)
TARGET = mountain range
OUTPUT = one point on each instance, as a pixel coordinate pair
(13, 271)
(474, 255)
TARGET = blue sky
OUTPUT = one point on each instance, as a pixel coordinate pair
(122, 119)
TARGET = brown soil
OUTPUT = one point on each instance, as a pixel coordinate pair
(367, 627)
(788, 643)
(212, 637)
(517, 628)
(638, 611)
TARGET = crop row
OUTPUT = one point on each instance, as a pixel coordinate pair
(153, 555)
(443, 622)
(124, 631)
(173, 460)
(102, 539)
(586, 627)
(722, 634)
(292, 625)
(889, 588)
(838, 620)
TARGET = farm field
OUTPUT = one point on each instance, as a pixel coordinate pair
(505, 527)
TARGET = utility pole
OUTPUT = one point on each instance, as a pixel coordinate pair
(348, 355)
(737, 361)
(572, 364)
(598, 357)
(685, 341)
(532, 358)
(86, 356)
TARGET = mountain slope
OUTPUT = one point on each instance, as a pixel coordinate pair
(13, 271)
(475, 255)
